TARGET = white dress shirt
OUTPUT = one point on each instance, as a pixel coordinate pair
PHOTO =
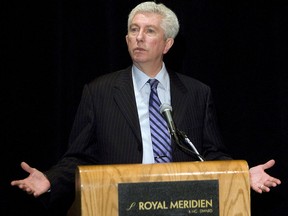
(142, 93)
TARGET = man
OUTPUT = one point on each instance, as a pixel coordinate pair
(112, 125)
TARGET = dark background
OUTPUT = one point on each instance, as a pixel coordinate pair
(49, 49)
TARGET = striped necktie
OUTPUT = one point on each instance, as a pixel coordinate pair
(160, 136)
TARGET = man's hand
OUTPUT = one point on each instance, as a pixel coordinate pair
(36, 183)
(260, 181)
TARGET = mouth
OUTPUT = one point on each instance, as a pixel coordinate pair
(138, 49)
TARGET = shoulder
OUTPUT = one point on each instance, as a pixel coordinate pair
(111, 78)
(190, 80)
(107, 84)
(187, 83)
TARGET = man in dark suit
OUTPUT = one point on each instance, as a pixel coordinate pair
(112, 123)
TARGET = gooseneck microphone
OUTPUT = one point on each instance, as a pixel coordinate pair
(166, 111)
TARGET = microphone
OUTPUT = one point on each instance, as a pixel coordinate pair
(166, 111)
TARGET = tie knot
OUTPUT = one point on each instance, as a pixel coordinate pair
(153, 83)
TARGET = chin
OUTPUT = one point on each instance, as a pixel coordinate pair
(139, 59)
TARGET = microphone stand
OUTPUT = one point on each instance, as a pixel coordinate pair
(166, 110)
(185, 138)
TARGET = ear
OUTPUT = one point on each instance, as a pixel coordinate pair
(169, 43)
(126, 37)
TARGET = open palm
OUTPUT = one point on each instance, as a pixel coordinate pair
(260, 181)
(36, 183)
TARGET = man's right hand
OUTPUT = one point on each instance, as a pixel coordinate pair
(36, 183)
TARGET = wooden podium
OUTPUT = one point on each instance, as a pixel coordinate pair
(97, 186)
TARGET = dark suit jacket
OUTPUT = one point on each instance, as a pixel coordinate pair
(107, 131)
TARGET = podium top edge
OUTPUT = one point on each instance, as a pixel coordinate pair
(219, 163)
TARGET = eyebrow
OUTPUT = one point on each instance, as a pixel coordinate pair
(148, 26)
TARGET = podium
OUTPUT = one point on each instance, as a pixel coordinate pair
(184, 188)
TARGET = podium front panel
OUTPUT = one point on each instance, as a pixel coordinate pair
(111, 190)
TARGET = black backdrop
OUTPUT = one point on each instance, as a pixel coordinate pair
(51, 48)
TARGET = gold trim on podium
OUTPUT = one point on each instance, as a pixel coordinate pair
(97, 185)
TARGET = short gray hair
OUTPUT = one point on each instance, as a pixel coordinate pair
(170, 23)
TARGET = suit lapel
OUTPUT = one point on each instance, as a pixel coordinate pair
(178, 98)
(125, 99)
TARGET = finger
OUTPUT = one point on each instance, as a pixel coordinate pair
(28, 190)
(23, 187)
(263, 188)
(272, 182)
(257, 189)
(35, 194)
(26, 167)
(266, 189)
(277, 181)
(269, 164)
(17, 183)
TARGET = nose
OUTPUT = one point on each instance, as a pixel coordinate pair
(139, 36)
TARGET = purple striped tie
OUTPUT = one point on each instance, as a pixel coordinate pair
(161, 140)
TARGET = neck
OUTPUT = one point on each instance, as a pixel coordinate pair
(150, 70)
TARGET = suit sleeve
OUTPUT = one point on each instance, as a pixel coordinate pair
(213, 146)
(62, 175)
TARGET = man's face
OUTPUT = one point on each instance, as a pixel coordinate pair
(145, 39)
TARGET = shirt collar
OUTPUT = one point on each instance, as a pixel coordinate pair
(141, 78)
